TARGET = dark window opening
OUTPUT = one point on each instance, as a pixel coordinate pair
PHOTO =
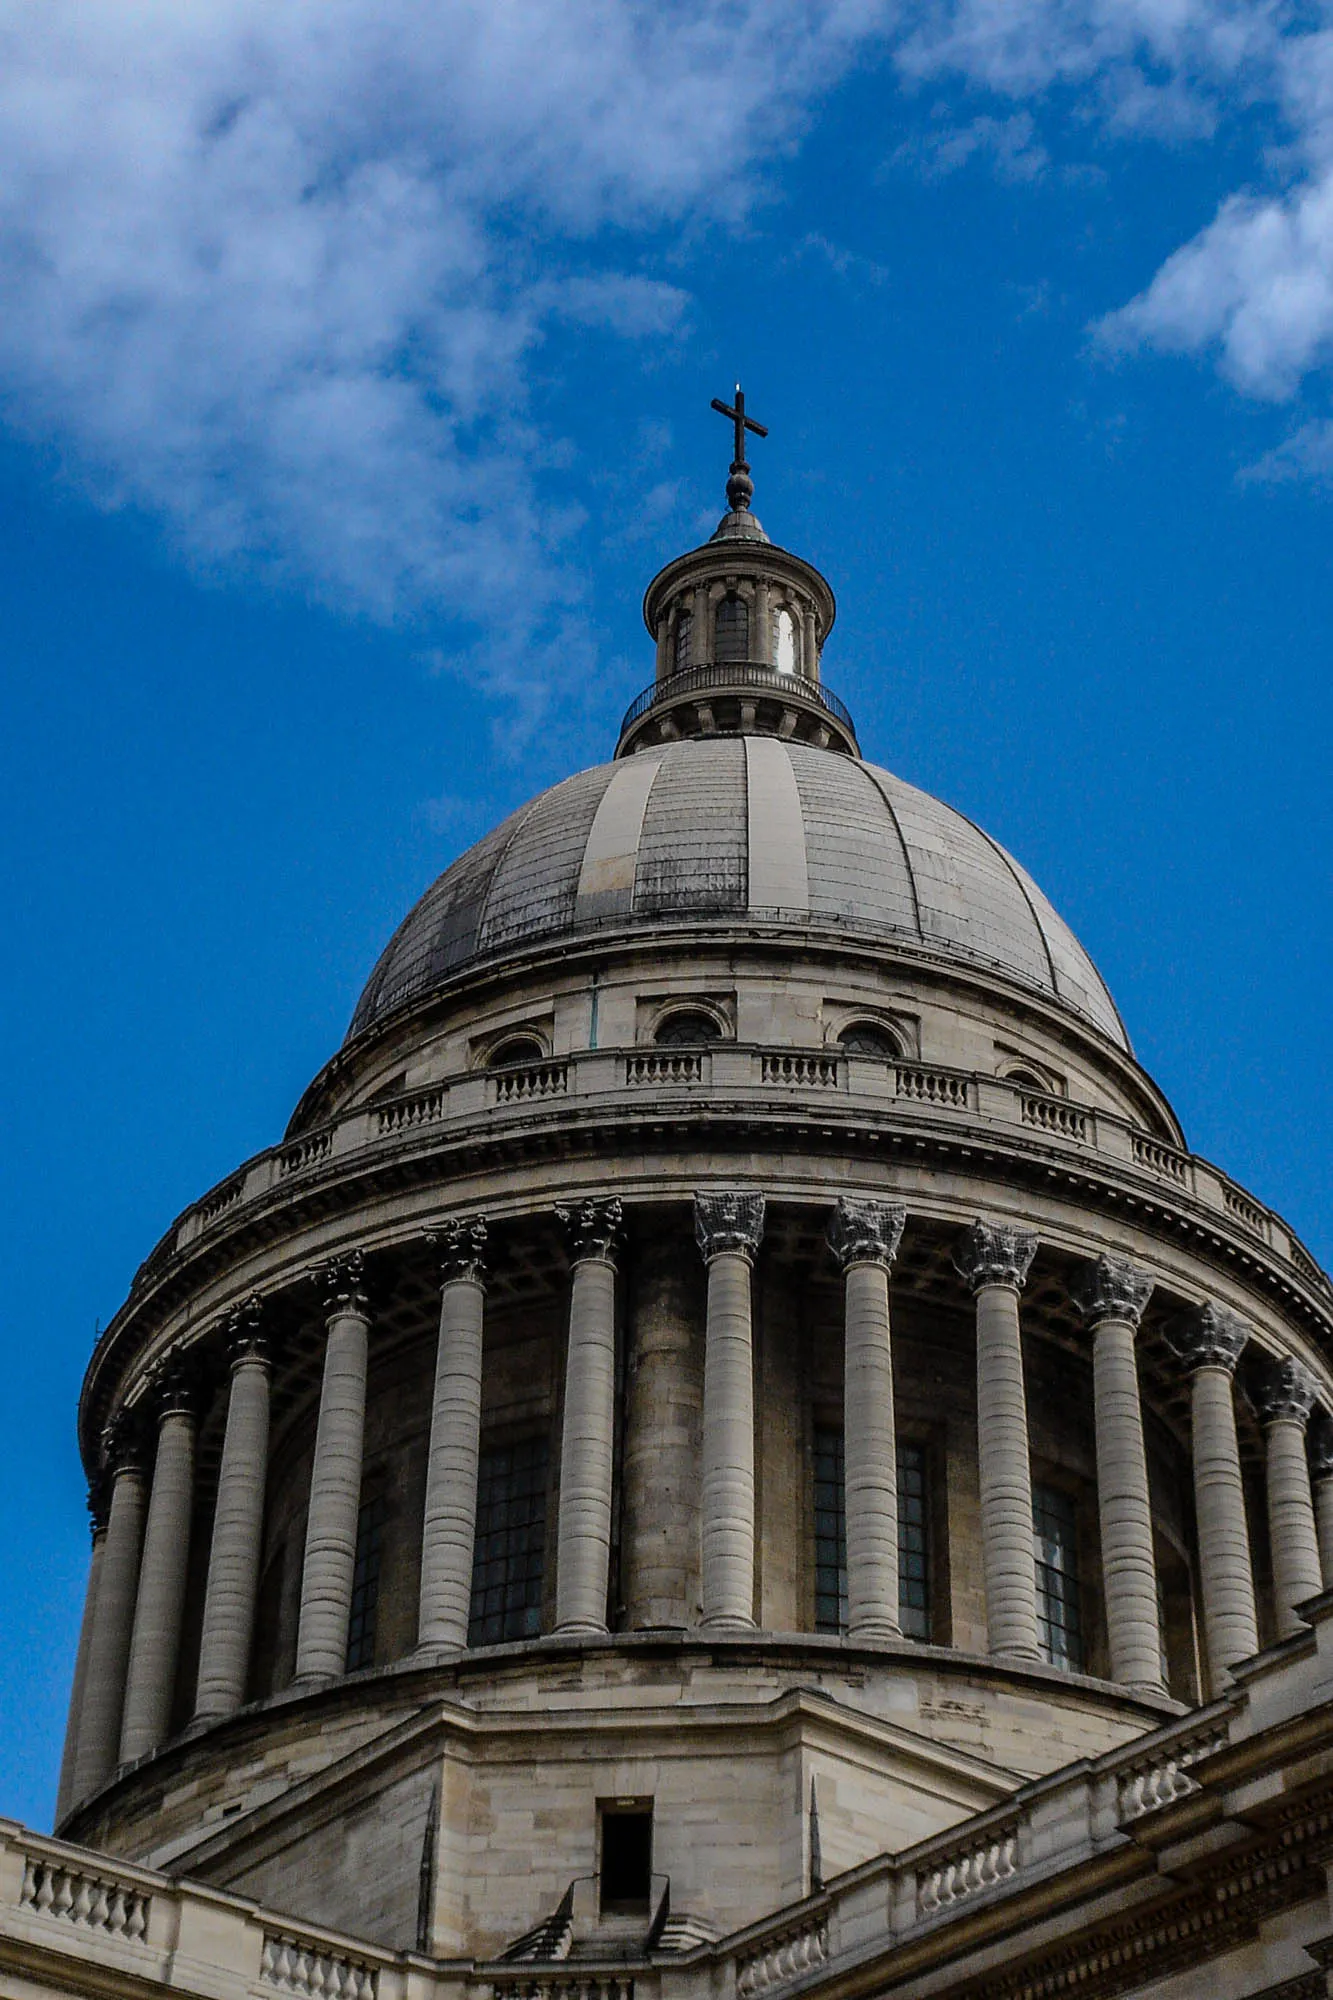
(366, 1583)
(1027, 1079)
(517, 1049)
(1055, 1551)
(509, 1553)
(627, 1858)
(686, 1030)
(684, 638)
(863, 1038)
(831, 1536)
(733, 631)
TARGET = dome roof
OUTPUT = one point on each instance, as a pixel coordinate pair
(750, 828)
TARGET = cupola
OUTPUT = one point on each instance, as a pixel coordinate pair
(739, 627)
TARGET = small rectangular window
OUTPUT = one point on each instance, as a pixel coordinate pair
(366, 1583)
(627, 1857)
(1055, 1553)
(508, 1558)
(831, 1536)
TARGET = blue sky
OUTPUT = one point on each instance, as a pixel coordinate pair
(354, 378)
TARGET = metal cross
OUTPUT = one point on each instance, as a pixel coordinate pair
(742, 423)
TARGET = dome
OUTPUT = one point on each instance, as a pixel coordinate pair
(755, 829)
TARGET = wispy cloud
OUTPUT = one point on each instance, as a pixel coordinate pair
(279, 274)
(1009, 146)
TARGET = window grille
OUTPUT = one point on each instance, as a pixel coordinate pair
(684, 639)
(509, 1553)
(1055, 1551)
(732, 631)
(685, 1030)
(831, 1536)
(830, 1533)
(366, 1583)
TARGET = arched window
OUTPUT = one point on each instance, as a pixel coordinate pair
(784, 642)
(733, 631)
(686, 1028)
(867, 1038)
(1027, 1079)
(684, 636)
(516, 1049)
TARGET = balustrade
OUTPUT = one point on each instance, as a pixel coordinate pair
(92, 1902)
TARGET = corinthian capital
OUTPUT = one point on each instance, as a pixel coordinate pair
(460, 1244)
(730, 1219)
(1321, 1447)
(995, 1253)
(247, 1336)
(124, 1446)
(176, 1388)
(1214, 1337)
(866, 1232)
(593, 1228)
(1285, 1391)
(344, 1279)
(1113, 1288)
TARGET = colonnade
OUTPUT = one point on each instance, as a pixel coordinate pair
(126, 1674)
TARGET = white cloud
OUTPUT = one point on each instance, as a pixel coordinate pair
(277, 273)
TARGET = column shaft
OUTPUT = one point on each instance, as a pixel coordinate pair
(109, 1645)
(70, 1755)
(1291, 1524)
(155, 1647)
(728, 1445)
(660, 1550)
(1129, 1571)
(1231, 1631)
(583, 1548)
(1006, 1477)
(451, 1472)
(238, 1525)
(335, 1499)
(870, 1456)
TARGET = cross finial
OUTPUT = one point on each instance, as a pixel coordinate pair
(740, 486)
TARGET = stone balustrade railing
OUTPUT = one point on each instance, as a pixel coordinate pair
(736, 1073)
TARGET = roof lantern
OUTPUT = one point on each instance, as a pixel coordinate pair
(739, 626)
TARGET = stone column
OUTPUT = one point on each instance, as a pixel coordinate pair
(70, 1755)
(1113, 1296)
(450, 1526)
(660, 1548)
(238, 1522)
(335, 1479)
(117, 1588)
(583, 1529)
(1210, 1345)
(728, 1226)
(1321, 1473)
(994, 1258)
(155, 1647)
(1285, 1396)
(864, 1237)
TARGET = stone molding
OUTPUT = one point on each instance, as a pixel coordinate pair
(124, 1446)
(995, 1253)
(460, 1245)
(1113, 1288)
(175, 1388)
(592, 1228)
(730, 1219)
(1285, 1392)
(866, 1232)
(1214, 1337)
(247, 1336)
(343, 1280)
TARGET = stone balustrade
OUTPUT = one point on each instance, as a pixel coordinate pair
(863, 1085)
